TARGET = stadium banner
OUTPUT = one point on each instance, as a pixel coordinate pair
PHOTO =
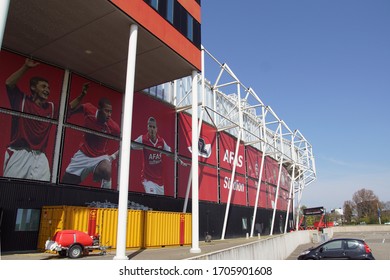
(89, 158)
(73, 143)
(10, 63)
(82, 91)
(30, 102)
(271, 171)
(252, 191)
(239, 188)
(208, 182)
(285, 179)
(253, 162)
(6, 121)
(283, 199)
(227, 148)
(207, 140)
(271, 191)
(152, 159)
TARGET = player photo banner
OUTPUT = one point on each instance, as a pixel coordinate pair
(271, 191)
(33, 89)
(239, 188)
(285, 180)
(271, 171)
(208, 182)
(207, 140)
(253, 161)
(80, 167)
(24, 163)
(89, 156)
(27, 79)
(252, 192)
(227, 148)
(86, 97)
(283, 198)
(152, 158)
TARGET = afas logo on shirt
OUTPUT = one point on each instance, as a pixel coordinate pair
(154, 156)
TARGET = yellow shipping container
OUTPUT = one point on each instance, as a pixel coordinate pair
(144, 228)
(167, 229)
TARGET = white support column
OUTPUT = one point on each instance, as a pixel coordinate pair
(124, 158)
(240, 132)
(4, 6)
(61, 120)
(299, 202)
(289, 198)
(187, 192)
(195, 167)
(276, 196)
(258, 192)
(198, 135)
(231, 186)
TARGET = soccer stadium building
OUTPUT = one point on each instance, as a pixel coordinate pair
(106, 105)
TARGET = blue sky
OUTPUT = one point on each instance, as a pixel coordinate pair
(324, 68)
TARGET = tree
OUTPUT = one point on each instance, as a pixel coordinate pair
(367, 204)
(385, 211)
(348, 211)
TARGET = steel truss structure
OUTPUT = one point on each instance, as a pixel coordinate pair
(227, 104)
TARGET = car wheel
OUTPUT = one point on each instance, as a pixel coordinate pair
(62, 253)
(75, 251)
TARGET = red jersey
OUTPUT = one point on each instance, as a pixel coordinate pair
(27, 133)
(153, 165)
(95, 145)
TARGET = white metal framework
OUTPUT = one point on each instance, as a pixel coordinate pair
(230, 106)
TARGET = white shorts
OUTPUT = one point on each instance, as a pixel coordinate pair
(82, 165)
(152, 187)
(26, 164)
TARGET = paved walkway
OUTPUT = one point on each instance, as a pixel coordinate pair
(161, 253)
(379, 242)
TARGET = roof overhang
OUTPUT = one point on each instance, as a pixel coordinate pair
(91, 38)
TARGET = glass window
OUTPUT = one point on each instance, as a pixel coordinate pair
(154, 4)
(190, 27)
(177, 15)
(338, 244)
(27, 220)
(352, 244)
(170, 11)
(244, 223)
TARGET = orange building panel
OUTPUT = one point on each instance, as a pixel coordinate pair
(149, 19)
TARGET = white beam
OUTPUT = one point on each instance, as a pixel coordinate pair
(258, 192)
(124, 158)
(195, 167)
(276, 196)
(4, 6)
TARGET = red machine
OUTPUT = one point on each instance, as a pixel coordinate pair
(74, 243)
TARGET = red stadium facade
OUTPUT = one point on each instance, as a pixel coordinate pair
(247, 167)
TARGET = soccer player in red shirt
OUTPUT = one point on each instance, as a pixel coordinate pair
(152, 171)
(92, 156)
(25, 156)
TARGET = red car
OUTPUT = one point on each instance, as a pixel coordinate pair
(74, 243)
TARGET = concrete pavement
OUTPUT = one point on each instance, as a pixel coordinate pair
(161, 253)
(379, 242)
